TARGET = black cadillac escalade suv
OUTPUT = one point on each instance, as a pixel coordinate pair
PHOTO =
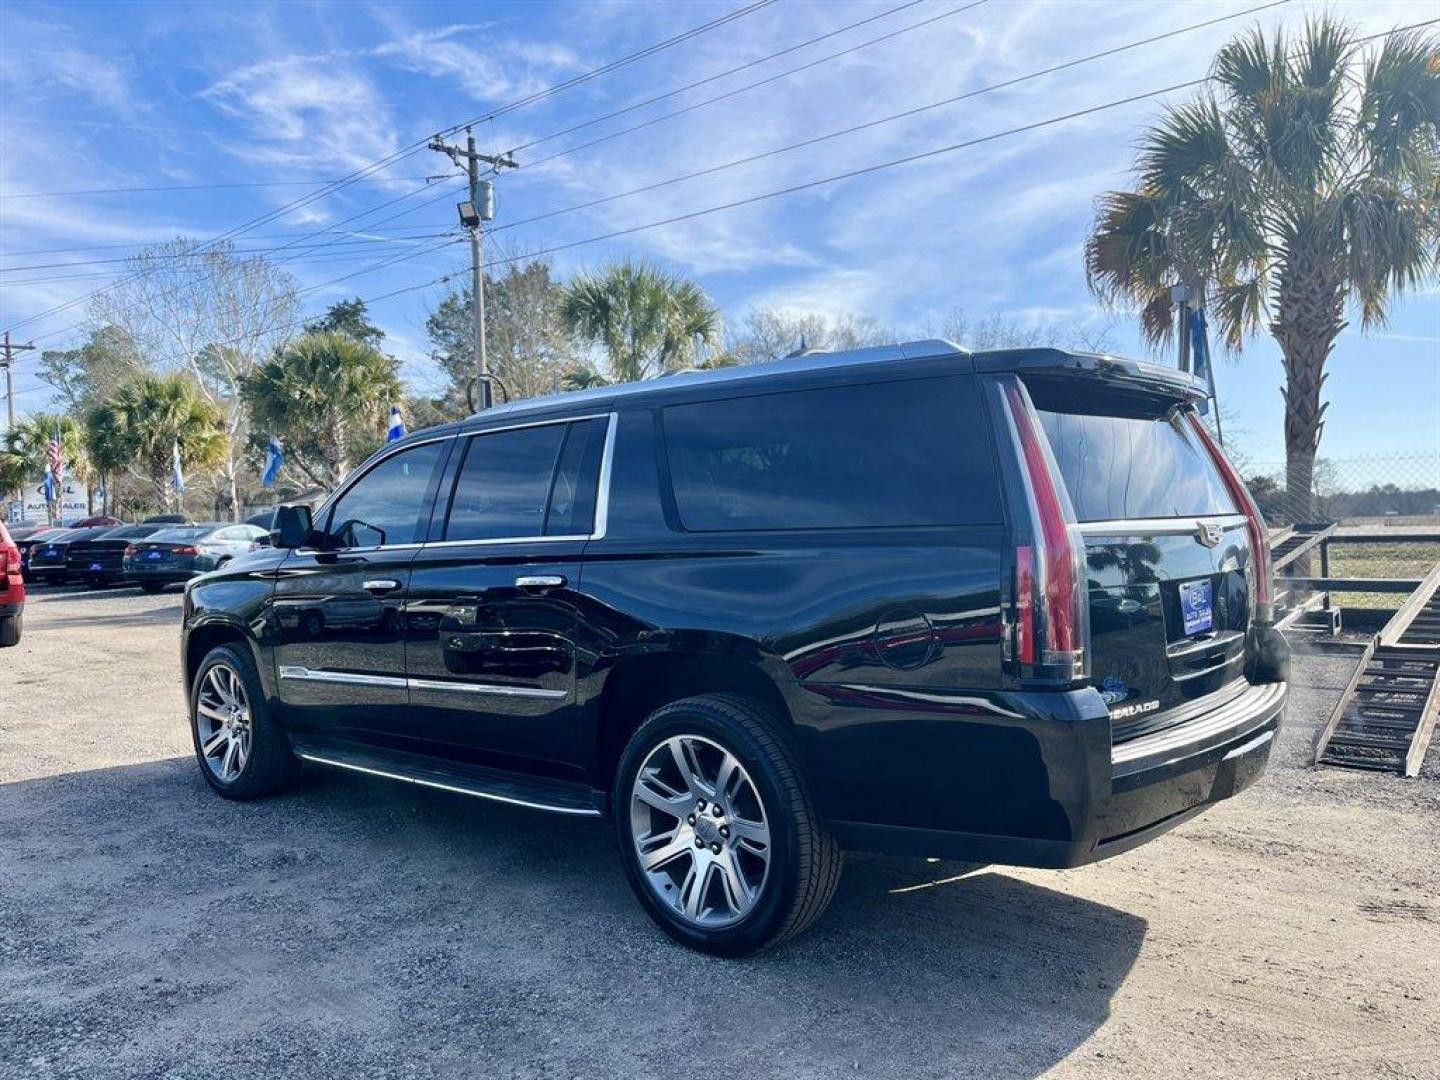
(1005, 607)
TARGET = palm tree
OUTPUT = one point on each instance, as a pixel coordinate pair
(28, 444)
(1307, 182)
(647, 321)
(326, 396)
(583, 378)
(147, 418)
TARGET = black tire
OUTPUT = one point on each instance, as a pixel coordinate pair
(152, 586)
(272, 764)
(805, 860)
(11, 627)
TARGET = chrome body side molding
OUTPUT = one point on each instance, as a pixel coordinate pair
(350, 678)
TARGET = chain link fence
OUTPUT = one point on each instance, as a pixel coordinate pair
(1400, 489)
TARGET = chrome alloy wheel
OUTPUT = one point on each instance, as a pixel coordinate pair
(222, 722)
(700, 831)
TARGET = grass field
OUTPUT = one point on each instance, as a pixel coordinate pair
(1379, 561)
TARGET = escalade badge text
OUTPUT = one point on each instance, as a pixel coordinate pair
(1122, 711)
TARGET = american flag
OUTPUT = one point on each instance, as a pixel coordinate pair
(54, 468)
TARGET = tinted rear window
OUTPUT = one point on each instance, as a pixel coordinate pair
(1118, 467)
(906, 453)
(189, 532)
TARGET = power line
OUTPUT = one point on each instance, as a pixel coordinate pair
(852, 173)
(735, 70)
(303, 260)
(605, 69)
(182, 255)
(150, 243)
(906, 160)
(194, 187)
(905, 114)
(736, 91)
(416, 147)
(202, 249)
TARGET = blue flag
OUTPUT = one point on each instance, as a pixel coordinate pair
(397, 426)
(274, 458)
(1200, 356)
(177, 476)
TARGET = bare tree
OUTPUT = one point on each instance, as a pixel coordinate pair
(528, 347)
(771, 333)
(1000, 331)
(201, 307)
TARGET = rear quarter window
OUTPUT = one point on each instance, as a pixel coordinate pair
(906, 453)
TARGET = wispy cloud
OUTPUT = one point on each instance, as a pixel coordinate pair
(490, 72)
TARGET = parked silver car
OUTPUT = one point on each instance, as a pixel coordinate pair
(178, 554)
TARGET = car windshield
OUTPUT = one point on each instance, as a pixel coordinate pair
(131, 532)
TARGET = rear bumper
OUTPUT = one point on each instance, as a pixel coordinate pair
(105, 573)
(1112, 799)
(165, 574)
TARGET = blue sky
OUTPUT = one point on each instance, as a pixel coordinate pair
(140, 94)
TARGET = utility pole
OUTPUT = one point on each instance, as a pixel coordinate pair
(473, 214)
(9, 364)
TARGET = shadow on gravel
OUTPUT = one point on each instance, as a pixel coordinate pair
(148, 926)
(169, 615)
(60, 593)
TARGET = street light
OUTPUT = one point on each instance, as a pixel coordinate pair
(469, 216)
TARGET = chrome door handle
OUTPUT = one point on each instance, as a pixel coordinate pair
(540, 581)
(380, 585)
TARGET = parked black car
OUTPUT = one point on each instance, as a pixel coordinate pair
(759, 615)
(178, 552)
(47, 559)
(100, 561)
(31, 538)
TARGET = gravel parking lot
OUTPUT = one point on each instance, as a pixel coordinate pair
(363, 928)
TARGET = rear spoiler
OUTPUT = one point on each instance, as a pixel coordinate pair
(1113, 372)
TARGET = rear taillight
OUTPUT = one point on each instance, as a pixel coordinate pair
(185, 549)
(9, 560)
(1254, 523)
(1050, 624)
(130, 551)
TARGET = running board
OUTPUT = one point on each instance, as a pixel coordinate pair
(534, 793)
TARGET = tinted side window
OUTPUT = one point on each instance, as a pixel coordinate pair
(1118, 467)
(914, 452)
(577, 480)
(384, 506)
(504, 484)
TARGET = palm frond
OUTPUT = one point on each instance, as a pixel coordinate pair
(1127, 253)
(1186, 152)
(1399, 123)
(1239, 308)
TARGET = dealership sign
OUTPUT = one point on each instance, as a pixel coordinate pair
(74, 502)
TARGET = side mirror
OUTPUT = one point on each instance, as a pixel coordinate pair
(292, 527)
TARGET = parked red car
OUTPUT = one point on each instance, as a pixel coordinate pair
(12, 590)
(101, 519)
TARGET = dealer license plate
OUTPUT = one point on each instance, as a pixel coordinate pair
(1196, 609)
